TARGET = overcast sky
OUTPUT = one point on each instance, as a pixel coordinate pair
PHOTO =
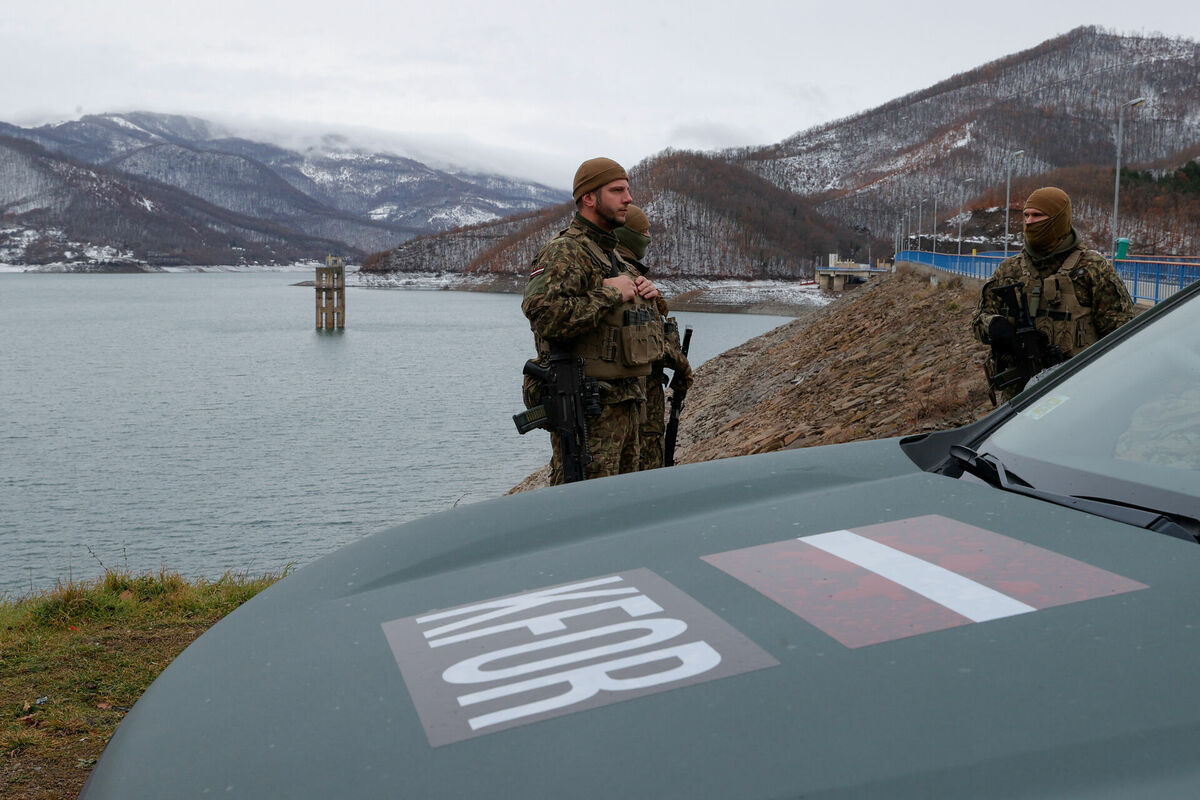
(525, 86)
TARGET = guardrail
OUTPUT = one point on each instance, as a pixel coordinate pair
(1147, 278)
(1156, 280)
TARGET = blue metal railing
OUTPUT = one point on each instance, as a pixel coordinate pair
(1156, 280)
(1150, 279)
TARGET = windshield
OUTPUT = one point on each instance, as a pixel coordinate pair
(1126, 428)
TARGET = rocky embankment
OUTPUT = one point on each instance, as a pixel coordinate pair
(890, 358)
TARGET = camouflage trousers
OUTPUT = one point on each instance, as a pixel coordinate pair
(612, 441)
(652, 432)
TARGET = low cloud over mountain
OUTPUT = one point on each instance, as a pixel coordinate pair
(332, 198)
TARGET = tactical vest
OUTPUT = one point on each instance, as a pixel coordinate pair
(629, 337)
(1056, 309)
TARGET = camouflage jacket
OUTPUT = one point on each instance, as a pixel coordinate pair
(673, 356)
(1097, 288)
(566, 296)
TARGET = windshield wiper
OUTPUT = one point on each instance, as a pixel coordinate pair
(992, 471)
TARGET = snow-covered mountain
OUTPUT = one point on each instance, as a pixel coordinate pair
(886, 178)
(1058, 102)
(709, 219)
(359, 200)
(892, 176)
(60, 210)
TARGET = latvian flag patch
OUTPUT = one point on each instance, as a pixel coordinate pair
(888, 581)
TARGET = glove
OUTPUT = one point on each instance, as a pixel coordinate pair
(1001, 330)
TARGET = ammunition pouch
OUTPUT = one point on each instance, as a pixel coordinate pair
(627, 341)
(1055, 309)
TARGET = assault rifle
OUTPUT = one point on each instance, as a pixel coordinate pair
(1019, 351)
(678, 394)
(568, 398)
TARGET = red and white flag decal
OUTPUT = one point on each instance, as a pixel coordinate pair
(896, 579)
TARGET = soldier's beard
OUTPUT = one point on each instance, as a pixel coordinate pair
(609, 216)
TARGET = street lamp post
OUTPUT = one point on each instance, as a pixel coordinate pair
(920, 219)
(1137, 101)
(934, 231)
(962, 199)
(1007, 195)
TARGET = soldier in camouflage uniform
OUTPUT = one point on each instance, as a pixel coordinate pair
(632, 240)
(1075, 296)
(583, 297)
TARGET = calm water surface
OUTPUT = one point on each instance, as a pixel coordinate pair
(197, 421)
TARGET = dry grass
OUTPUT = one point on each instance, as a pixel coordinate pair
(74, 660)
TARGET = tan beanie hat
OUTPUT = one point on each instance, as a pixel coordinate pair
(636, 220)
(594, 173)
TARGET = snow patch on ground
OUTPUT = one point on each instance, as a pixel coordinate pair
(460, 216)
(121, 122)
(308, 268)
(696, 292)
(748, 292)
(383, 212)
(15, 240)
(418, 280)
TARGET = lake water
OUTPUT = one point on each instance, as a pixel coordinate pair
(198, 422)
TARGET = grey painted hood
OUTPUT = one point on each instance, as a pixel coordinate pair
(761, 627)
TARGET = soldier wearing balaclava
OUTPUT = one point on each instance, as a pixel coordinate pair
(1054, 298)
(633, 239)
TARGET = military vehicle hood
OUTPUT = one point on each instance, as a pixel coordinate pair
(829, 622)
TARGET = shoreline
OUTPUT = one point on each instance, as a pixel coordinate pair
(76, 268)
(717, 296)
(769, 297)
